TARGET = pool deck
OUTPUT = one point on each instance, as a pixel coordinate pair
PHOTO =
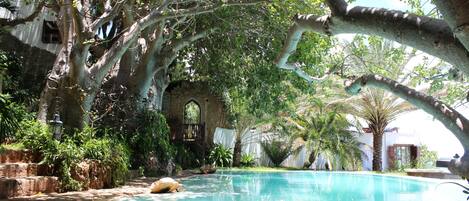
(140, 186)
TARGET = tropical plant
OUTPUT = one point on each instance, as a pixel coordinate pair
(247, 160)
(9, 122)
(277, 150)
(326, 133)
(378, 108)
(11, 114)
(220, 156)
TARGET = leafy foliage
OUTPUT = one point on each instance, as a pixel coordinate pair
(111, 153)
(237, 59)
(247, 160)
(326, 133)
(220, 156)
(151, 138)
(8, 120)
(276, 150)
(13, 79)
(426, 158)
(184, 157)
(74, 149)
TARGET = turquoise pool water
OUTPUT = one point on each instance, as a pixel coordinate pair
(307, 185)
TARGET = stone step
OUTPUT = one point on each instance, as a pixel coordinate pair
(11, 170)
(19, 156)
(25, 186)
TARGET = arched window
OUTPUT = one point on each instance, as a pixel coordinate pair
(192, 113)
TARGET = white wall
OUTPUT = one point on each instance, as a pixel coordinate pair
(417, 127)
(30, 32)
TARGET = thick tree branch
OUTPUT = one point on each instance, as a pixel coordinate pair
(148, 60)
(80, 25)
(455, 13)
(338, 7)
(293, 38)
(430, 35)
(110, 12)
(31, 17)
(142, 79)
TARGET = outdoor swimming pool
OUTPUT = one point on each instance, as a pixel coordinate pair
(308, 185)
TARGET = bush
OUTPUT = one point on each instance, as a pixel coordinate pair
(74, 149)
(247, 160)
(11, 114)
(35, 136)
(152, 139)
(427, 158)
(184, 157)
(220, 156)
(277, 151)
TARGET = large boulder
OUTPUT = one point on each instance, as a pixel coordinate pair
(165, 185)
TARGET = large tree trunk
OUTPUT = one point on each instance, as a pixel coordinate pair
(449, 117)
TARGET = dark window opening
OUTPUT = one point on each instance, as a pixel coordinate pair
(192, 129)
(50, 32)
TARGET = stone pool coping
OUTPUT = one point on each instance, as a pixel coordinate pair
(140, 186)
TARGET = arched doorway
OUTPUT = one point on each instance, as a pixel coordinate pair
(193, 128)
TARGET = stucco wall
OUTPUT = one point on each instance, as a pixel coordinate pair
(212, 110)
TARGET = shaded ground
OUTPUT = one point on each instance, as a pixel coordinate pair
(133, 187)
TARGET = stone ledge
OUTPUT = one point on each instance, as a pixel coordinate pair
(19, 156)
(10, 170)
(12, 187)
(432, 173)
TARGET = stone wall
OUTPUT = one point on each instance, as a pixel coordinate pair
(212, 108)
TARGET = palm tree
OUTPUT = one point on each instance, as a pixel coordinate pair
(378, 109)
(327, 133)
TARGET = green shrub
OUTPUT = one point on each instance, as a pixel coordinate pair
(36, 136)
(11, 114)
(111, 153)
(61, 155)
(184, 157)
(152, 138)
(74, 149)
(276, 150)
(220, 156)
(16, 81)
(247, 160)
(427, 158)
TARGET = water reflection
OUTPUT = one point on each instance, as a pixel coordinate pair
(299, 186)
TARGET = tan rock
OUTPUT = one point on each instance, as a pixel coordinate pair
(165, 185)
(92, 174)
(208, 169)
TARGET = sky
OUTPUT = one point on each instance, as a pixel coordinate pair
(418, 126)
